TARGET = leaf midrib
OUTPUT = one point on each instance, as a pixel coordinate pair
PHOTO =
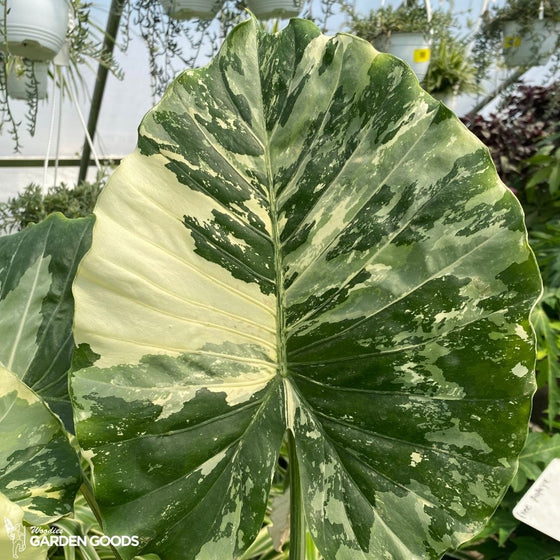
(281, 353)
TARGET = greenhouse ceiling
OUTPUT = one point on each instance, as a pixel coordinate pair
(62, 117)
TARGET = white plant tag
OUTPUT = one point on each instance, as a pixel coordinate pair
(540, 506)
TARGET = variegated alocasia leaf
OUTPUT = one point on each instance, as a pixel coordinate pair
(39, 469)
(15, 536)
(37, 267)
(304, 240)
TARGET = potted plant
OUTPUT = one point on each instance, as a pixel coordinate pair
(24, 76)
(35, 29)
(265, 9)
(404, 32)
(528, 30)
(451, 71)
(171, 43)
(190, 9)
(27, 79)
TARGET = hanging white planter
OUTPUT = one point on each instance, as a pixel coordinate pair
(29, 81)
(448, 98)
(190, 9)
(266, 9)
(529, 45)
(410, 47)
(36, 29)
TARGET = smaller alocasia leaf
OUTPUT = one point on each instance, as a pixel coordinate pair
(17, 321)
(14, 536)
(39, 469)
(37, 266)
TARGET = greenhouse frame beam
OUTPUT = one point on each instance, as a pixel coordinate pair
(113, 22)
(62, 162)
(516, 76)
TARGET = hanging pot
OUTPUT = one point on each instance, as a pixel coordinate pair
(530, 45)
(448, 98)
(266, 9)
(410, 47)
(28, 81)
(36, 29)
(190, 9)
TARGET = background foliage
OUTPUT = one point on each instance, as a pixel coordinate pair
(33, 205)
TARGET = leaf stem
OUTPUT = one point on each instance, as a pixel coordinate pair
(87, 491)
(297, 516)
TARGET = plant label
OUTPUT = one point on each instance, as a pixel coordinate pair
(540, 506)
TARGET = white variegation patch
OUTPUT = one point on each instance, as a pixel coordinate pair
(460, 438)
(415, 458)
(520, 370)
(169, 301)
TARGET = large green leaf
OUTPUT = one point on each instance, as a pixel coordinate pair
(39, 469)
(37, 267)
(304, 240)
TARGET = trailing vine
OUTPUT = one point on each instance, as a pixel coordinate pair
(489, 39)
(172, 45)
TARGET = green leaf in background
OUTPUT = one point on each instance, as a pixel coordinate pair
(304, 241)
(531, 549)
(548, 337)
(39, 469)
(279, 529)
(37, 267)
(538, 452)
